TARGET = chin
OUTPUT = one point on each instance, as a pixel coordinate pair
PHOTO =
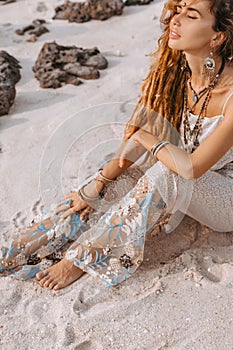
(174, 45)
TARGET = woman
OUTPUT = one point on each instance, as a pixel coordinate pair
(184, 119)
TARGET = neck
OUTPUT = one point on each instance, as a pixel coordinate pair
(196, 65)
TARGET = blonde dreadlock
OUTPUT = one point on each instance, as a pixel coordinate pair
(163, 89)
(161, 103)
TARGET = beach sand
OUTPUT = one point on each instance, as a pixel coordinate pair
(181, 298)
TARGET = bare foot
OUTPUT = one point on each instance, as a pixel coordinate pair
(59, 275)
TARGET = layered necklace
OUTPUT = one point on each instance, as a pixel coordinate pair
(191, 134)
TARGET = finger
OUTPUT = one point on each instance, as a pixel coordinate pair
(69, 212)
(121, 162)
(60, 209)
(69, 196)
(85, 212)
(64, 206)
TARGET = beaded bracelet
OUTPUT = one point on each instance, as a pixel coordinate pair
(157, 147)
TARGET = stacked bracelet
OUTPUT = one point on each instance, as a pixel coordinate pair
(100, 180)
(86, 198)
(157, 147)
(104, 178)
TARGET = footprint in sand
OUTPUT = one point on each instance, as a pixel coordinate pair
(88, 345)
(212, 260)
(80, 306)
(37, 208)
(12, 300)
(210, 270)
(70, 336)
(21, 218)
(91, 301)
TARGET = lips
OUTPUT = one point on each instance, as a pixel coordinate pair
(174, 35)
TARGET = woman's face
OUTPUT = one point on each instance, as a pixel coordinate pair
(191, 28)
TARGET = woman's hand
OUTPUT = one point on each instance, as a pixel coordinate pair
(131, 150)
(72, 204)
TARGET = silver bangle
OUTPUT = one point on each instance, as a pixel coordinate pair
(86, 198)
(99, 180)
(104, 177)
(154, 147)
(157, 147)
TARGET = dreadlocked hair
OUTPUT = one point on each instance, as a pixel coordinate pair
(163, 88)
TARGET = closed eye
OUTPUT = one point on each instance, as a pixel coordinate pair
(190, 12)
(192, 17)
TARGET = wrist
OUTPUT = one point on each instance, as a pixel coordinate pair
(93, 188)
(104, 179)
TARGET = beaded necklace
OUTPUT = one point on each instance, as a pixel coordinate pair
(196, 95)
(191, 134)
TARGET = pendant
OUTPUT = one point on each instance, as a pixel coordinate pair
(195, 98)
(195, 145)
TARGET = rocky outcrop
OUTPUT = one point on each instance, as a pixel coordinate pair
(136, 2)
(35, 29)
(57, 65)
(9, 76)
(91, 9)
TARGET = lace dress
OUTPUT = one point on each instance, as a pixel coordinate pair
(110, 244)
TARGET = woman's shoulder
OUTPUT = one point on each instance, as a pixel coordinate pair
(225, 90)
(228, 105)
(226, 81)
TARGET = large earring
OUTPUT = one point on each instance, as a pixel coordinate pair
(209, 67)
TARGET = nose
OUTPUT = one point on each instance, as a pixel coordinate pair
(176, 19)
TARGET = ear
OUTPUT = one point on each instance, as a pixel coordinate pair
(217, 40)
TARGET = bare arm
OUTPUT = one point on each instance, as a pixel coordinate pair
(109, 172)
(203, 158)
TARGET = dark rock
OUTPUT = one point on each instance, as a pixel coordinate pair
(8, 1)
(9, 68)
(7, 97)
(9, 76)
(35, 29)
(91, 9)
(58, 64)
(82, 71)
(96, 61)
(136, 2)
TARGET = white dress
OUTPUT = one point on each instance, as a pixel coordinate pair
(208, 199)
(110, 244)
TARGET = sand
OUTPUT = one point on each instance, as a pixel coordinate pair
(181, 297)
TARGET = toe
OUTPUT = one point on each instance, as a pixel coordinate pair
(41, 274)
(58, 286)
(43, 281)
(52, 284)
(48, 282)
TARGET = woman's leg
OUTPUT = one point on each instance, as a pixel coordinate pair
(113, 247)
(40, 245)
(28, 241)
(45, 242)
(212, 201)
